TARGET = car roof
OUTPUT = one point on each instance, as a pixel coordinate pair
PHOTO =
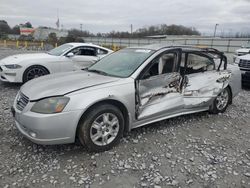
(159, 46)
(76, 44)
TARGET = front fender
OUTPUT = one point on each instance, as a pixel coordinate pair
(83, 100)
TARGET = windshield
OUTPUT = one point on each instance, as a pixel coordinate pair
(122, 63)
(60, 49)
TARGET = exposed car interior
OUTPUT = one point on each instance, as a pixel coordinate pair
(87, 51)
(163, 64)
(196, 63)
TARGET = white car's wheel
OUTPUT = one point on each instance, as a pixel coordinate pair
(34, 72)
(101, 128)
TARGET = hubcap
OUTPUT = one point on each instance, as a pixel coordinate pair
(222, 100)
(35, 73)
(104, 129)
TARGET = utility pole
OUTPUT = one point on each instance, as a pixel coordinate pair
(131, 28)
(81, 27)
(215, 28)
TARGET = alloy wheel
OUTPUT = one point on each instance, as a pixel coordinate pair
(104, 129)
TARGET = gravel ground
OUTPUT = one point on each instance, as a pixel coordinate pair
(199, 150)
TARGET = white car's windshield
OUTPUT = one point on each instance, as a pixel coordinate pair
(60, 49)
(122, 63)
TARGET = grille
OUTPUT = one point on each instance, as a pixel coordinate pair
(21, 101)
(244, 64)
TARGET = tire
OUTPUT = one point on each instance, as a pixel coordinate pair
(221, 102)
(96, 130)
(34, 72)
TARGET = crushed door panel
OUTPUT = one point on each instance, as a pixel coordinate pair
(159, 95)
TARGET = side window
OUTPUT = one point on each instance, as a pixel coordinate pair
(84, 51)
(162, 64)
(101, 51)
(198, 63)
(75, 51)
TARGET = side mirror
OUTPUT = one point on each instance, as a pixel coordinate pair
(70, 55)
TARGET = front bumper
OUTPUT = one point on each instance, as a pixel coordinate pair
(10, 75)
(245, 75)
(47, 129)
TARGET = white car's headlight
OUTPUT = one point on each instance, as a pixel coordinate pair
(13, 66)
(237, 60)
(50, 105)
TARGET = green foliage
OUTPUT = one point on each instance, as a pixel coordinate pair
(16, 30)
(52, 38)
(4, 27)
(78, 33)
(69, 38)
(27, 24)
(165, 30)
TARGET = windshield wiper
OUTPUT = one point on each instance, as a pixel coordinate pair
(97, 71)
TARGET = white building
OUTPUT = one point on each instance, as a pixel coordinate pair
(42, 33)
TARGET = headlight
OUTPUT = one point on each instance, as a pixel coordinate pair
(13, 66)
(237, 60)
(50, 105)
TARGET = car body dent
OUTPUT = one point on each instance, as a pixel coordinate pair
(146, 101)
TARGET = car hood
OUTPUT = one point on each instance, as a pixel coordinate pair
(63, 83)
(245, 57)
(243, 50)
(19, 58)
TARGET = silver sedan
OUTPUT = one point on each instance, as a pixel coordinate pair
(127, 89)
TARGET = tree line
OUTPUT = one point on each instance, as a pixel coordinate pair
(142, 32)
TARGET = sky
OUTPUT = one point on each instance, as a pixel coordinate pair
(107, 15)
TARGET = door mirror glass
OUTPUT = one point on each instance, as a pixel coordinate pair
(70, 54)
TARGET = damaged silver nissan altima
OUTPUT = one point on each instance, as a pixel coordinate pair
(127, 89)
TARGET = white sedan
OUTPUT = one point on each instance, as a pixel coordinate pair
(67, 57)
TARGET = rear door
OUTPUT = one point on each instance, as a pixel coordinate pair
(204, 81)
(158, 88)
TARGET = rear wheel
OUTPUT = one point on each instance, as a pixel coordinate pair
(101, 128)
(34, 72)
(221, 102)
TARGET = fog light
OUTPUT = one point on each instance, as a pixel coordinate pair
(33, 134)
(10, 74)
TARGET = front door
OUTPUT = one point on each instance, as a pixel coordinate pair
(159, 86)
(84, 57)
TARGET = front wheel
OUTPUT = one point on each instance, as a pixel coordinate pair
(221, 102)
(34, 72)
(101, 128)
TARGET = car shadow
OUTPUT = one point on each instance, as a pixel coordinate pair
(10, 85)
(246, 87)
